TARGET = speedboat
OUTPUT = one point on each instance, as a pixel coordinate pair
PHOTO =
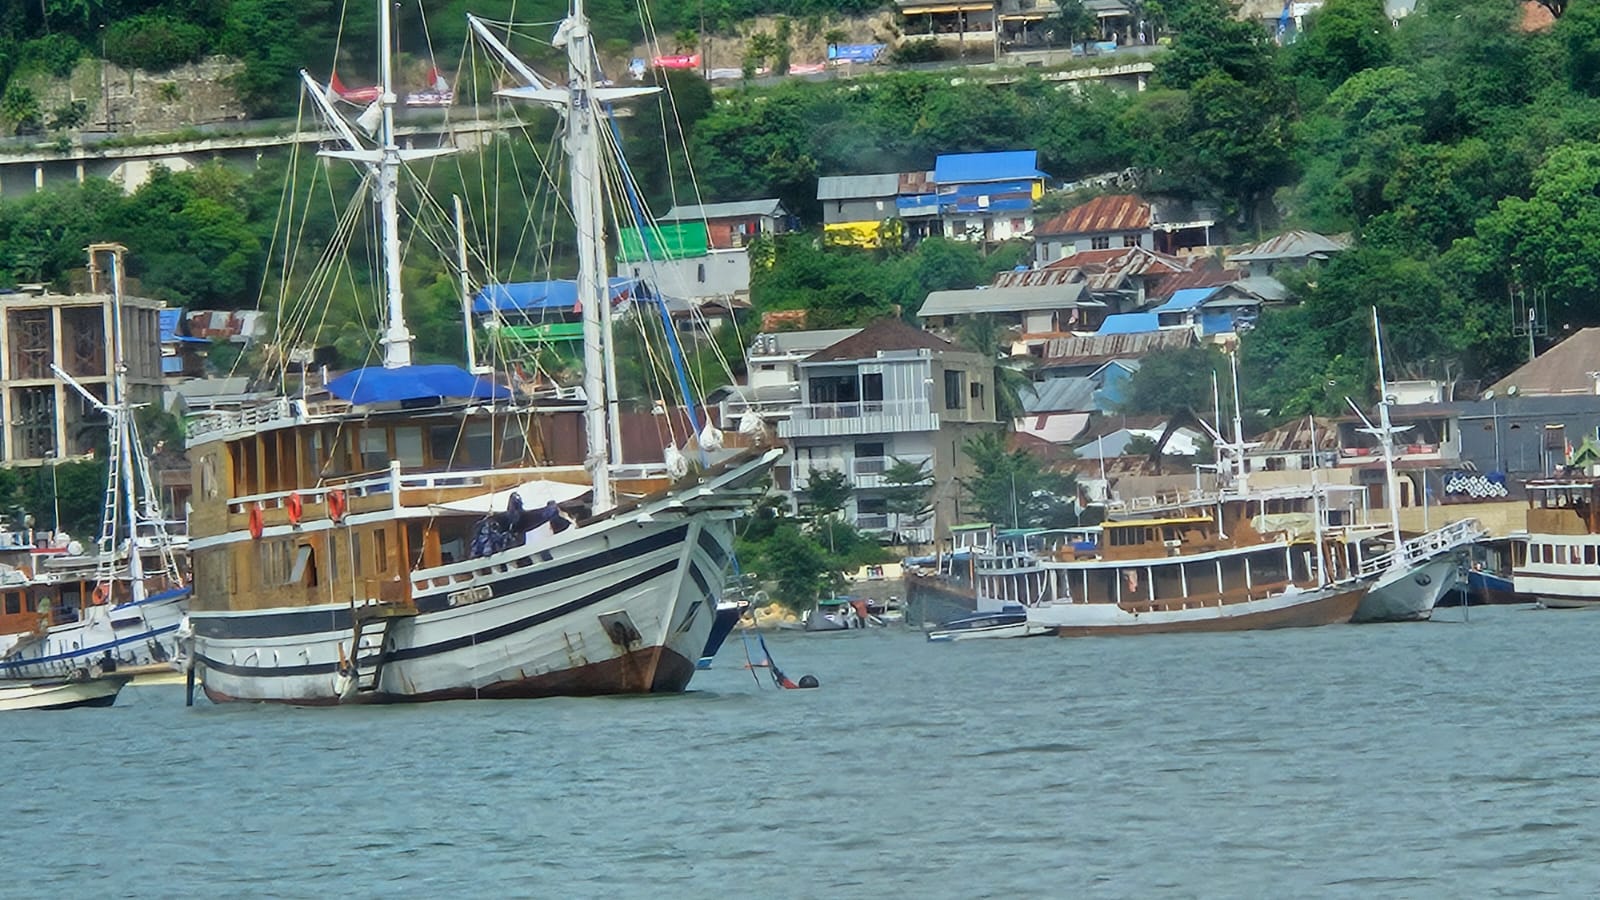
(62, 693)
(1005, 623)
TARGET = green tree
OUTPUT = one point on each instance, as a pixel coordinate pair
(1171, 381)
(909, 492)
(796, 565)
(20, 107)
(827, 493)
(984, 334)
(1547, 241)
(1344, 37)
(1012, 487)
(1072, 22)
(1212, 42)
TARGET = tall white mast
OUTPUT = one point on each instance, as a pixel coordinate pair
(384, 162)
(122, 410)
(396, 339)
(583, 171)
(581, 103)
(1386, 437)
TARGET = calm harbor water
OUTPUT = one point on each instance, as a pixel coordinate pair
(1412, 760)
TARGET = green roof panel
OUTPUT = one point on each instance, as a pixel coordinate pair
(681, 241)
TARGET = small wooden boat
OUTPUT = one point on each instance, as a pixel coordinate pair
(62, 693)
(839, 614)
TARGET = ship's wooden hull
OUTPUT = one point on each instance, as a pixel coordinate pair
(621, 606)
(1292, 609)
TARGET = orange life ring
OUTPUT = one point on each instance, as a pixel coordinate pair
(258, 523)
(336, 505)
(101, 593)
(296, 508)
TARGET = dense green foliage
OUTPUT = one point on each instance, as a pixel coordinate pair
(844, 287)
(1174, 380)
(1012, 488)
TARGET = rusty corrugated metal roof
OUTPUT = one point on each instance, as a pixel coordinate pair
(1201, 277)
(1110, 213)
(1296, 435)
(917, 183)
(1293, 245)
(1098, 348)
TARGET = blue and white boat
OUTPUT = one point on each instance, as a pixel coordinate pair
(1011, 622)
(121, 605)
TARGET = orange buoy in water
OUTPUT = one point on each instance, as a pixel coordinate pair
(258, 523)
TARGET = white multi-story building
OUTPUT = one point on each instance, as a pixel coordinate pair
(890, 393)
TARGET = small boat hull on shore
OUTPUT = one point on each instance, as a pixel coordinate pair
(63, 693)
(1332, 605)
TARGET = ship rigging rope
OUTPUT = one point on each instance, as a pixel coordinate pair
(620, 180)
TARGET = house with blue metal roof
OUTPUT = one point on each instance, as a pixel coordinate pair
(1130, 323)
(988, 196)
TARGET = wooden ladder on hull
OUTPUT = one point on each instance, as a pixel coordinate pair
(370, 618)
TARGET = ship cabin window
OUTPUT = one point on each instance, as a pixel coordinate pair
(277, 563)
(1128, 537)
(442, 444)
(355, 553)
(408, 446)
(380, 550)
(1588, 555)
(478, 443)
(13, 603)
(374, 449)
(1169, 533)
(246, 476)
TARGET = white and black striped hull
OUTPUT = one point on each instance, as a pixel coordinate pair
(619, 606)
(133, 634)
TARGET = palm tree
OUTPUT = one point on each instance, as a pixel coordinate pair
(984, 334)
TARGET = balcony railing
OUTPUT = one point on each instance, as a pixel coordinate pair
(867, 417)
(867, 471)
(863, 471)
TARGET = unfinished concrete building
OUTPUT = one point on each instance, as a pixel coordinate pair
(44, 417)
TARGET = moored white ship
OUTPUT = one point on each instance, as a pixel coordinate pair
(1555, 560)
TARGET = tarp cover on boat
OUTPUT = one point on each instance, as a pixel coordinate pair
(542, 296)
(534, 494)
(376, 384)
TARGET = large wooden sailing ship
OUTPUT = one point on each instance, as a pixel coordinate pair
(396, 539)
